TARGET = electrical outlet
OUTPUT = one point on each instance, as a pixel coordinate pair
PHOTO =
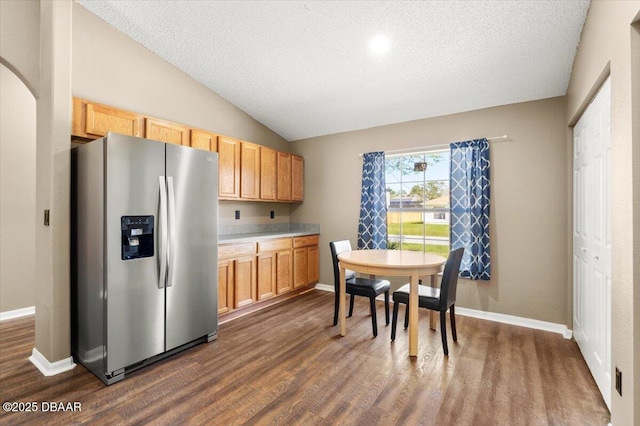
(237, 214)
(273, 214)
(619, 381)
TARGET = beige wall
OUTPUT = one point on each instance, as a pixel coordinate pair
(20, 40)
(252, 213)
(111, 68)
(528, 206)
(26, 27)
(609, 45)
(528, 226)
(53, 170)
(17, 192)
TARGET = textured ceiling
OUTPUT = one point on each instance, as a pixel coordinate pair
(303, 68)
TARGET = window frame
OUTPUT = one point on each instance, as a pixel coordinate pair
(422, 209)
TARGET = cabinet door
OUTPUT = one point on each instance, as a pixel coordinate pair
(312, 263)
(228, 167)
(91, 120)
(245, 281)
(267, 173)
(297, 178)
(284, 271)
(249, 170)
(203, 140)
(300, 267)
(165, 131)
(266, 275)
(225, 286)
(284, 176)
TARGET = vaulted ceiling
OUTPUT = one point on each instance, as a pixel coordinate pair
(305, 68)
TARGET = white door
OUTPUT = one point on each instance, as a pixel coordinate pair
(592, 238)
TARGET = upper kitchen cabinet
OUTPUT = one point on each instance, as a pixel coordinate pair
(268, 173)
(228, 167)
(166, 131)
(297, 178)
(290, 169)
(246, 171)
(249, 171)
(204, 140)
(92, 120)
(284, 176)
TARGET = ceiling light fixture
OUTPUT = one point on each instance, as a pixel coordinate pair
(379, 44)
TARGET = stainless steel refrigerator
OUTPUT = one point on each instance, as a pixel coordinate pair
(144, 252)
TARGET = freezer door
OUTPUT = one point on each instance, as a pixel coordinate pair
(192, 277)
(135, 303)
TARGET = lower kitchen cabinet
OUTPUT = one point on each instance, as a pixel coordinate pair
(284, 271)
(236, 283)
(225, 286)
(313, 264)
(305, 261)
(300, 267)
(274, 267)
(236, 276)
(245, 282)
(253, 272)
(267, 266)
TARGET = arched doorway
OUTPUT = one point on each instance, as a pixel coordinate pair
(17, 195)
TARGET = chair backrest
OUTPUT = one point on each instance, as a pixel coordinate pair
(449, 284)
(338, 247)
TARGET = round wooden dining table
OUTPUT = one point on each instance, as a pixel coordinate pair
(391, 263)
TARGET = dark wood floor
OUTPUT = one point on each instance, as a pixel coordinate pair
(287, 365)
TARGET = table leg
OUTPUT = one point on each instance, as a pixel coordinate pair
(413, 316)
(342, 305)
(432, 314)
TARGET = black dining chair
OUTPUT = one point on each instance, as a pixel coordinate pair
(357, 286)
(436, 299)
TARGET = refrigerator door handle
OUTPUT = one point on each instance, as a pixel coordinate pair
(172, 231)
(162, 276)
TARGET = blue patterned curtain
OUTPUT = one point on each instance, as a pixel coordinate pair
(470, 206)
(372, 228)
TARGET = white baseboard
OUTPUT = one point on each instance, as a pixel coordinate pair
(50, 368)
(519, 321)
(17, 313)
(325, 287)
(496, 317)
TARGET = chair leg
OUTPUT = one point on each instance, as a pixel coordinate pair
(406, 316)
(394, 321)
(351, 306)
(443, 331)
(453, 322)
(386, 306)
(374, 322)
(335, 309)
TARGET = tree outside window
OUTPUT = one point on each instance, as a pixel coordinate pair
(418, 201)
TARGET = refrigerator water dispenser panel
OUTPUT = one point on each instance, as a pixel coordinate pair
(137, 237)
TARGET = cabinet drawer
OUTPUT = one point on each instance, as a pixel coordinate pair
(274, 245)
(227, 251)
(311, 240)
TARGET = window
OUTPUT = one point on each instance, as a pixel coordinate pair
(418, 201)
